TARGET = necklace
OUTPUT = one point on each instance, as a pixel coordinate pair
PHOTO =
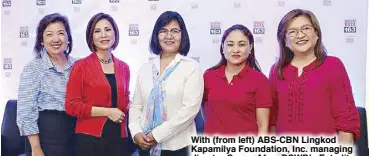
(106, 62)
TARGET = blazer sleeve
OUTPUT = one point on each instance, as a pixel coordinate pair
(126, 92)
(136, 110)
(74, 104)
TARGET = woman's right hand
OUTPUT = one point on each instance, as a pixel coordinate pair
(34, 141)
(115, 115)
(37, 152)
(140, 139)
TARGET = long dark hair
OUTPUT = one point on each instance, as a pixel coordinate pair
(285, 54)
(251, 60)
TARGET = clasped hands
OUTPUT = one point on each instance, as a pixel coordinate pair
(145, 141)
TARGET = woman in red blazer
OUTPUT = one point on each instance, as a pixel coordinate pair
(98, 93)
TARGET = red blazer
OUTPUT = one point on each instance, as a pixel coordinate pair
(88, 86)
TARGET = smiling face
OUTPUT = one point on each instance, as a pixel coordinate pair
(301, 36)
(170, 37)
(236, 48)
(103, 35)
(55, 38)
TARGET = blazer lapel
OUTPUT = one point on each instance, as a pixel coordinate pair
(119, 77)
(99, 73)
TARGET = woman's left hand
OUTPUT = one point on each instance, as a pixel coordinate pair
(151, 139)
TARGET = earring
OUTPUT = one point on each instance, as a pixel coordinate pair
(66, 48)
(43, 49)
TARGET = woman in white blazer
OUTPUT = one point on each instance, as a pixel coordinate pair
(168, 92)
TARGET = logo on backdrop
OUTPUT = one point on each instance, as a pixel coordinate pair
(259, 27)
(24, 43)
(350, 26)
(41, 2)
(259, 31)
(153, 6)
(215, 28)
(8, 64)
(114, 1)
(327, 2)
(7, 3)
(133, 31)
(23, 32)
(76, 1)
(236, 5)
(114, 7)
(281, 3)
(8, 74)
(41, 9)
(194, 5)
(350, 30)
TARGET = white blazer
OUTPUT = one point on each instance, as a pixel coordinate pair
(184, 90)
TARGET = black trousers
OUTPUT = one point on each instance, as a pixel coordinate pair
(181, 152)
(109, 144)
(56, 132)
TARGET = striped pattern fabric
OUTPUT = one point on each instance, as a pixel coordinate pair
(42, 86)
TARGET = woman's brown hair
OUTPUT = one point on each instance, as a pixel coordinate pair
(285, 54)
(44, 22)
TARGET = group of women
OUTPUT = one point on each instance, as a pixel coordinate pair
(81, 107)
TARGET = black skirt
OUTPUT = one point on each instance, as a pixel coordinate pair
(109, 144)
(56, 133)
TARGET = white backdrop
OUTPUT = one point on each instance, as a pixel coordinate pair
(344, 27)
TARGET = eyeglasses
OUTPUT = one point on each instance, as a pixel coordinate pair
(173, 32)
(294, 32)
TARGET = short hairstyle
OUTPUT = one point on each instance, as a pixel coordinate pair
(285, 54)
(91, 26)
(164, 19)
(251, 59)
(44, 22)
